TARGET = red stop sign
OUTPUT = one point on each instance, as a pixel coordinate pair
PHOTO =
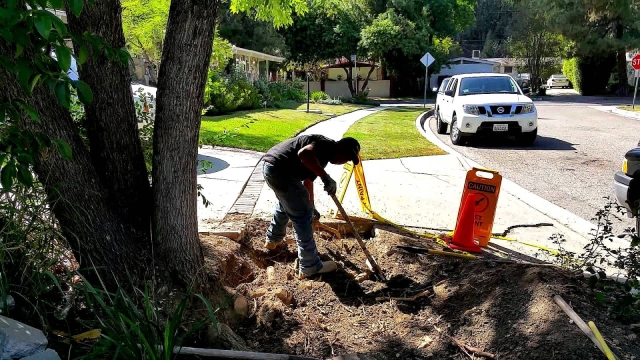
(635, 62)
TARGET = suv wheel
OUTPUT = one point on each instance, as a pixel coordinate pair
(527, 138)
(455, 133)
(441, 126)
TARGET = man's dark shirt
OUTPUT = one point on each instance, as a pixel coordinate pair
(285, 160)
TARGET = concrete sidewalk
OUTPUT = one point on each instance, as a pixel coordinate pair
(426, 192)
(229, 185)
(224, 182)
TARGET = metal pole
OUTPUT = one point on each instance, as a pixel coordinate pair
(635, 91)
(426, 72)
(308, 92)
(356, 65)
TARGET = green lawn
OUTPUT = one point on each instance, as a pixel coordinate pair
(628, 108)
(391, 134)
(261, 129)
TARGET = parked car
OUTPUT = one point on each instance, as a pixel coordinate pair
(626, 185)
(558, 80)
(488, 103)
(440, 94)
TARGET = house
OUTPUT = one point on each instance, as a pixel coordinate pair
(463, 65)
(249, 61)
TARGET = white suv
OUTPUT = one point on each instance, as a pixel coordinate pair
(476, 104)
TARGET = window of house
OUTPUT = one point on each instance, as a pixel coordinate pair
(508, 69)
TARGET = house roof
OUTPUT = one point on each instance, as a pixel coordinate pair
(519, 61)
(472, 60)
(257, 54)
(344, 62)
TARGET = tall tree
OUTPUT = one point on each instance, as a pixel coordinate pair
(100, 192)
(533, 41)
(598, 27)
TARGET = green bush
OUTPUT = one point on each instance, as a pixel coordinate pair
(282, 90)
(570, 70)
(589, 75)
(225, 94)
(318, 96)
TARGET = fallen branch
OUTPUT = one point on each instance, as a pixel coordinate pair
(413, 298)
(465, 347)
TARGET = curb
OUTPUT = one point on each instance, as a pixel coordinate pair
(625, 113)
(553, 211)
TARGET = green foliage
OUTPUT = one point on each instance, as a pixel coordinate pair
(32, 248)
(532, 41)
(130, 330)
(145, 113)
(570, 70)
(621, 297)
(589, 75)
(29, 33)
(279, 13)
(225, 94)
(318, 96)
(144, 23)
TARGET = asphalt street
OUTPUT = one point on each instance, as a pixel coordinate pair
(572, 163)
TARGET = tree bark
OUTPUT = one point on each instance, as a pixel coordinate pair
(366, 81)
(112, 126)
(621, 63)
(349, 72)
(78, 199)
(181, 81)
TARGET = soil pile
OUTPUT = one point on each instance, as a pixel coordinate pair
(505, 309)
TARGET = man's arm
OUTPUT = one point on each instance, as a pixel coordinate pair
(308, 158)
(309, 185)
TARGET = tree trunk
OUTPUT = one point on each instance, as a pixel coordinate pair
(366, 81)
(621, 63)
(181, 81)
(348, 71)
(78, 199)
(112, 126)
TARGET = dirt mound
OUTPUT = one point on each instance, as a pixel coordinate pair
(505, 309)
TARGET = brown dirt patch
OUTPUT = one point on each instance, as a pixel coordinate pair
(502, 308)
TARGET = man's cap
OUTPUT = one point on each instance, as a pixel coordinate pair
(352, 146)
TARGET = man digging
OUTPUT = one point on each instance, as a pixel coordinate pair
(289, 170)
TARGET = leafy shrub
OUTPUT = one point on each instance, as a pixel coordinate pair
(318, 96)
(282, 90)
(145, 112)
(570, 70)
(622, 297)
(589, 75)
(225, 94)
(336, 101)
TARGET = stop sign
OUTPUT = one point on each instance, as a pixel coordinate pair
(635, 62)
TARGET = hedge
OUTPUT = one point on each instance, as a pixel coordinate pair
(589, 75)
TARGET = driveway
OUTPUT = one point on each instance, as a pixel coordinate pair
(572, 163)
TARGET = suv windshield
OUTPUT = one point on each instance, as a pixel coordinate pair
(444, 85)
(488, 85)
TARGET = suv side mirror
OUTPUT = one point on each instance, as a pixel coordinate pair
(449, 92)
(526, 91)
(435, 89)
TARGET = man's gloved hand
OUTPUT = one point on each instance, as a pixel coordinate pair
(330, 185)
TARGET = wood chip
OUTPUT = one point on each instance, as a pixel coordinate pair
(413, 298)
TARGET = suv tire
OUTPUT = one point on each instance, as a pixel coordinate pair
(527, 138)
(441, 126)
(455, 134)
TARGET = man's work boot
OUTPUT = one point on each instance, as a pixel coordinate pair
(273, 245)
(327, 267)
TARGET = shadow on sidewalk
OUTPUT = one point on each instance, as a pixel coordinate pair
(210, 164)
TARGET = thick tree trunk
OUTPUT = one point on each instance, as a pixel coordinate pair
(349, 72)
(181, 81)
(366, 81)
(111, 119)
(621, 63)
(78, 199)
